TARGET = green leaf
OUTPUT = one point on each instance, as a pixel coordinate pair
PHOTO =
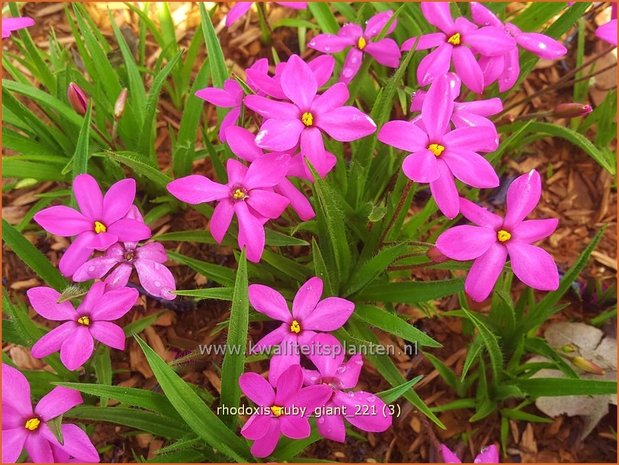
(234, 363)
(324, 17)
(391, 395)
(215, 293)
(79, 162)
(54, 425)
(519, 415)
(217, 62)
(554, 387)
(219, 274)
(411, 292)
(491, 343)
(193, 410)
(32, 257)
(136, 163)
(103, 369)
(446, 373)
(369, 270)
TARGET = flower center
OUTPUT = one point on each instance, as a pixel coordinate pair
(32, 424)
(239, 193)
(361, 43)
(307, 118)
(276, 410)
(455, 39)
(84, 320)
(295, 327)
(436, 149)
(129, 256)
(100, 227)
(503, 236)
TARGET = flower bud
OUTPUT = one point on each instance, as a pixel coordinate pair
(119, 105)
(436, 256)
(588, 366)
(571, 110)
(77, 98)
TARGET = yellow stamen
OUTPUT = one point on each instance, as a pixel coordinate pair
(503, 236)
(84, 320)
(239, 194)
(455, 39)
(361, 43)
(436, 149)
(276, 410)
(295, 327)
(308, 119)
(32, 424)
(100, 227)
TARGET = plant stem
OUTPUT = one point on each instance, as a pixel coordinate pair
(407, 187)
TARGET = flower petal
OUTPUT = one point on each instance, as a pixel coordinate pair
(445, 192)
(448, 455)
(313, 150)
(322, 66)
(483, 16)
(306, 298)
(490, 40)
(467, 138)
(267, 203)
(77, 444)
(385, 51)
(236, 12)
(156, 278)
(295, 427)
(44, 300)
(265, 446)
(13, 440)
(76, 254)
(332, 426)
(88, 196)
(484, 273)
(346, 124)
(465, 242)
(38, 448)
(257, 389)
(326, 353)
(421, 166)
(511, 70)
(533, 266)
(217, 97)
(534, 230)
(437, 108)
(271, 109)
(296, 72)
(220, 221)
(439, 15)
(52, 341)
(15, 390)
(251, 232)
(608, 32)
(13, 24)
(109, 334)
(229, 120)
(311, 397)
(279, 134)
(269, 302)
(154, 251)
(541, 45)
(364, 410)
(523, 196)
(94, 268)
(403, 135)
(288, 377)
(114, 304)
(271, 339)
(488, 454)
(119, 277)
(471, 168)
(266, 171)
(197, 189)
(63, 221)
(330, 43)
(352, 63)
(298, 201)
(57, 402)
(242, 143)
(76, 350)
(329, 315)
(435, 64)
(349, 372)
(118, 200)
(424, 42)
(377, 23)
(479, 215)
(335, 96)
(468, 69)
(257, 426)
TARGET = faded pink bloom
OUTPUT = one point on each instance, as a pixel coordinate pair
(384, 51)
(309, 314)
(458, 41)
(494, 238)
(248, 194)
(361, 409)
(26, 428)
(231, 96)
(488, 454)
(10, 25)
(77, 98)
(506, 67)
(303, 121)
(241, 8)
(439, 153)
(100, 222)
(243, 145)
(92, 320)
(276, 416)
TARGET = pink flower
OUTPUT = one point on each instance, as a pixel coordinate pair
(506, 67)
(494, 238)
(231, 96)
(15, 24)
(100, 222)
(243, 145)
(309, 314)
(438, 153)
(608, 31)
(458, 41)
(248, 195)
(303, 120)
(277, 415)
(488, 454)
(77, 98)
(385, 51)
(25, 427)
(361, 409)
(92, 320)
(241, 8)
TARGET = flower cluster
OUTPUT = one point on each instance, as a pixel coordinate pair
(285, 404)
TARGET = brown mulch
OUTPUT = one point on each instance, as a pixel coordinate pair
(578, 192)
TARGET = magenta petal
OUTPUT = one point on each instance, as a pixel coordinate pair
(487, 107)
(117, 200)
(229, 120)
(283, 371)
(445, 192)
(39, 449)
(346, 124)
(439, 15)
(608, 32)
(534, 230)
(448, 455)
(330, 43)
(364, 410)
(76, 350)
(63, 221)
(435, 64)
(348, 373)
(298, 201)
(220, 221)
(267, 203)
(217, 97)
(114, 304)
(289, 385)
(471, 139)
(76, 254)
(466, 242)
(533, 266)
(421, 166)
(479, 215)
(511, 70)
(88, 196)
(152, 251)
(95, 268)
(471, 168)
(295, 427)
(329, 315)
(312, 397)
(77, 444)
(403, 135)
(326, 353)
(385, 51)
(13, 440)
(332, 427)
(15, 391)
(437, 108)
(257, 389)
(44, 300)
(257, 426)
(483, 16)
(352, 31)
(279, 135)
(484, 273)
(242, 143)
(264, 446)
(269, 302)
(271, 109)
(377, 23)
(322, 66)
(295, 72)
(238, 10)
(156, 279)
(490, 41)
(119, 277)
(352, 63)
(306, 298)
(523, 196)
(271, 339)
(541, 45)
(58, 401)
(197, 189)
(52, 341)
(251, 232)
(332, 98)
(424, 42)
(468, 69)
(488, 454)
(266, 171)
(16, 23)
(492, 67)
